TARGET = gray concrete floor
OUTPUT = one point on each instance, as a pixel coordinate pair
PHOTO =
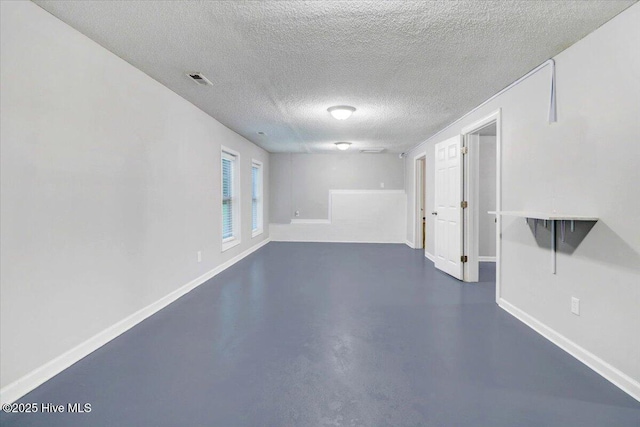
(315, 334)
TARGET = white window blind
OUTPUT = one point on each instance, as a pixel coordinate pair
(228, 196)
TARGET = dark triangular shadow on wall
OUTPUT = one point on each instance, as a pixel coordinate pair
(572, 239)
(611, 248)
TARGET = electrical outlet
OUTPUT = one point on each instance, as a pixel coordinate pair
(575, 306)
(199, 256)
(297, 213)
(382, 185)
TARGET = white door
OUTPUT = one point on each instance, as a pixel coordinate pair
(448, 197)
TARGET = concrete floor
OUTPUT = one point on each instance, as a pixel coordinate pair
(314, 334)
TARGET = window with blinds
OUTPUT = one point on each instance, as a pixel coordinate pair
(256, 198)
(230, 200)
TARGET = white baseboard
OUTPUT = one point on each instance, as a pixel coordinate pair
(12, 392)
(362, 216)
(486, 259)
(410, 244)
(615, 376)
(429, 256)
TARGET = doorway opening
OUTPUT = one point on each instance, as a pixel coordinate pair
(482, 192)
(420, 226)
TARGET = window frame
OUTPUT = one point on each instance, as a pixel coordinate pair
(235, 238)
(260, 198)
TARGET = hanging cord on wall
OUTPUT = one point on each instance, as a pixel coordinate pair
(553, 113)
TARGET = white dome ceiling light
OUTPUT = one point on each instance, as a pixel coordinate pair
(341, 112)
(343, 145)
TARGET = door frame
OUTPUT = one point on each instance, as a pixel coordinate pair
(470, 230)
(417, 220)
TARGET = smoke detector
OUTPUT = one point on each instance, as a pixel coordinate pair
(200, 79)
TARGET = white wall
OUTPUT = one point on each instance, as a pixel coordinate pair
(586, 163)
(110, 185)
(365, 216)
(487, 196)
(280, 188)
(302, 181)
(338, 196)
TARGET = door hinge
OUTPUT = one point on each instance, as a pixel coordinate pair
(464, 205)
(463, 258)
(464, 150)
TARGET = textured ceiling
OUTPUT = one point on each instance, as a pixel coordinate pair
(410, 68)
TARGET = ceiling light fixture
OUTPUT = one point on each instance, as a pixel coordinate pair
(341, 112)
(343, 145)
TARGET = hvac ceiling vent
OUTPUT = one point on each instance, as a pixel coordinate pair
(200, 79)
(372, 150)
